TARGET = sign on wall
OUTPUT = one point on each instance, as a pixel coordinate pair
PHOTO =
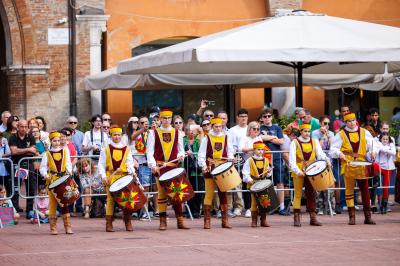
(57, 36)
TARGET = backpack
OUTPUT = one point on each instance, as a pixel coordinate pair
(98, 209)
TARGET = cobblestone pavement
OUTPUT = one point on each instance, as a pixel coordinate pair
(335, 243)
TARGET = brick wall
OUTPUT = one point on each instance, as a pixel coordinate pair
(47, 90)
(284, 4)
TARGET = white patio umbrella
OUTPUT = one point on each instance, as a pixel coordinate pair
(110, 79)
(308, 43)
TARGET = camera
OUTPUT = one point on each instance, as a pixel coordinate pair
(209, 103)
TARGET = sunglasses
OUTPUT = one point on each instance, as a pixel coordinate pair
(267, 116)
(207, 124)
(142, 123)
(72, 122)
(208, 115)
(178, 123)
(327, 123)
(106, 119)
(307, 131)
(255, 128)
(106, 127)
(303, 117)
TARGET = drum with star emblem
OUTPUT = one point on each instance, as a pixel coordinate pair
(128, 194)
(177, 185)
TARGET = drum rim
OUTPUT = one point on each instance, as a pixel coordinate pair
(326, 167)
(364, 163)
(177, 168)
(255, 191)
(118, 180)
(61, 177)
(222, 171)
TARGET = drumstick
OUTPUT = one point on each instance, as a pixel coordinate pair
(177, 159)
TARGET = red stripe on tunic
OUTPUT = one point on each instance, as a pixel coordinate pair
(158, 150)
(116, 164)
(59, 162)
(354, 145)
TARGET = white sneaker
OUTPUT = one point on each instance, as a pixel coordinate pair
(247, 213)
(356, 207)
(344, 208)
(219, 215)
(320, 212)
(237, 212)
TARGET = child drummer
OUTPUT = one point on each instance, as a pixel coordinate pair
(254, 169)
(303, 151)
(55, 164)
(115, 161)
(214, 150)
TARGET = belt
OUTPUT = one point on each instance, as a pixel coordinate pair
(143, 164)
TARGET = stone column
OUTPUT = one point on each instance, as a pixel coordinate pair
(97, 25)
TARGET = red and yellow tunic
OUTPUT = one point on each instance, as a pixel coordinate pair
(116, 158)
(354, 146)
(305, 152)
(56, 163)
(216, 149)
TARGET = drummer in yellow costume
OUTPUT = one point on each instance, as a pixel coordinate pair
(115, 161)
(165, 152)
(353, 143)
(303, 151)
(55, 164)
(213, 151)
(254, 169)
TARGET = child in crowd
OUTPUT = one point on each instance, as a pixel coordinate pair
(91, 183)
(385, 159)
(7, 203)
(40, 207)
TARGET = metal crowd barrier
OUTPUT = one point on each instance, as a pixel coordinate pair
(9, 168)
(34, 179)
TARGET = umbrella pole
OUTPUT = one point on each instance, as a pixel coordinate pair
(299, 85)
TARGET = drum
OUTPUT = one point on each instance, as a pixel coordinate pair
(127, 194)
(265, 194)
(65, 190)
(320, 175)
(226, 176)
(177, 185)
(359, 170)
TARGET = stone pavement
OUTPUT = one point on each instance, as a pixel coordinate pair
(335, 243)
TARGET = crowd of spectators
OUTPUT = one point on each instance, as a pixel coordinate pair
(22, 138)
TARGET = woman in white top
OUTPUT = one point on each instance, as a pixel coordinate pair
(385, 159)
(253, 132)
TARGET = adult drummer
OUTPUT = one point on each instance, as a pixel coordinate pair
(165, 152)
(213, 151)
(350, 144)
(56, 163)
(302, 152)
(256, 168)
(115, 161)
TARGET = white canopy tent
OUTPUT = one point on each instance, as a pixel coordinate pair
(308, 43)
(109, 79)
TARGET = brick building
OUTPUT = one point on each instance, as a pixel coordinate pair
(34, 56)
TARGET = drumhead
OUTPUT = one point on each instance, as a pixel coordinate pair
(360, 163)
(221, 168)
(58, 181)
(171, 174)
(260, 185)
(316, 168)
(121, 183)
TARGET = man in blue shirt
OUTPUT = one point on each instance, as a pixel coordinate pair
(272, 136)
(77, 135)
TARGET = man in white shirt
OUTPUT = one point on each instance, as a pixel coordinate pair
(4, 117)
(236, 136)
(95, 139)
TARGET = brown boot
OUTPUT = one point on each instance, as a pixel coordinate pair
(313, 218)
(207, 216)
(352, 215)
(263, 220)
(163, 221)
(224, 216)
(254, 216)
(53, 225)
(67, 223)
(296, 216)
(109, 225)
(179, 217)
(128, 222)
(367, 214)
